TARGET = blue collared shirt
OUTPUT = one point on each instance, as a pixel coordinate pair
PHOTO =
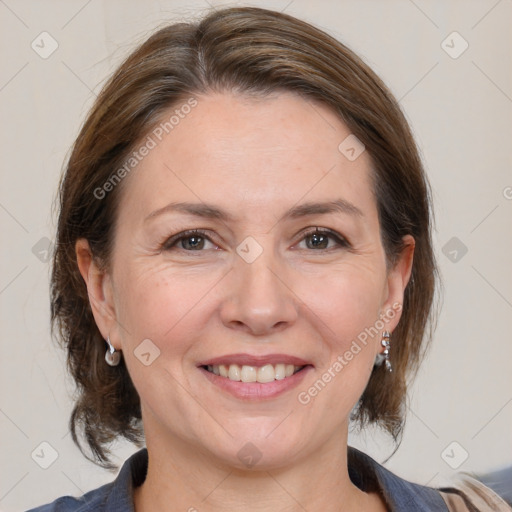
(367, 474)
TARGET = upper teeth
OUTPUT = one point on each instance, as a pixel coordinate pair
(262, 374)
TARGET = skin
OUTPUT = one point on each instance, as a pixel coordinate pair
(255, 159)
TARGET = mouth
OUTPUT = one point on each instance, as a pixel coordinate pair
(249, 373)
(255, 377)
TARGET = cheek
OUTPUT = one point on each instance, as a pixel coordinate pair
(344, 312)
(347, 300)
(156, 302)
(163, 307)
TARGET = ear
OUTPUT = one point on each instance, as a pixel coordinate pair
(100, 292)
(397, 280)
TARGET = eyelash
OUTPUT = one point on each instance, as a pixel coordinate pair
(170, 243)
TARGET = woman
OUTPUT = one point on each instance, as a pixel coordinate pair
(244, 265)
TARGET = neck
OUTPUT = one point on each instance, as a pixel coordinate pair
(181, 478)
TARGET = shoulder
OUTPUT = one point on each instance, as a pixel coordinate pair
(93, 500)
(466, 493)
(399, 494)
(116, 496)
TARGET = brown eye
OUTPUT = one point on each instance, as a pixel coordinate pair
(320, 238)
(194, 242)
(318, 241)
(189, 241)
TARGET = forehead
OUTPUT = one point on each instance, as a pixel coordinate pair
(249, 155)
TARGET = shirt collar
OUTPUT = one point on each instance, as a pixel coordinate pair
(132, 474)
(400, 495)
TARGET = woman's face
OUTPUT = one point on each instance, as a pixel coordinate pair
(256, 294)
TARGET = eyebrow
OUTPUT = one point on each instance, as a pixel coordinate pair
(209, 211)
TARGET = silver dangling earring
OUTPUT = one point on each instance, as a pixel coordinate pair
(384, 357)
(112, 356)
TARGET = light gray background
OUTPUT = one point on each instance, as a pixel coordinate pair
(460, 110)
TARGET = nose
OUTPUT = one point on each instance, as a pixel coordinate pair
(259, 298)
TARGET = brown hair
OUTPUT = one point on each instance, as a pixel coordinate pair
(251, 51)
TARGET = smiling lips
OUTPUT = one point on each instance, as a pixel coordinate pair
(248, 369)
(262, 374)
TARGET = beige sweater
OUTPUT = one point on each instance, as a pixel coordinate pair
(470, 495)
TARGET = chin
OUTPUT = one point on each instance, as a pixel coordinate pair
(258, 452)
